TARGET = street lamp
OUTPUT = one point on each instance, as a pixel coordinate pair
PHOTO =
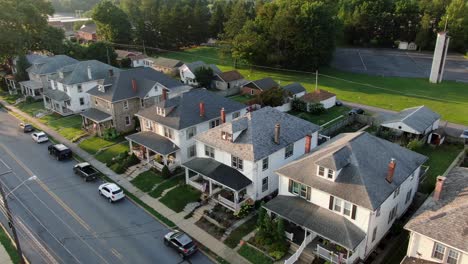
(32, 178)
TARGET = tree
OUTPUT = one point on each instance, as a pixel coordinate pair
(112, 23)
(100, 51)
(204, 75)
(237, 19)
(52, 40)
(457, 24)
(21, 65)
(272, 97)
(261, 217)
(279, 234)
(217, 18)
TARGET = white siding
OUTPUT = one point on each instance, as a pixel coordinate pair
(329, 103)
(422, 246)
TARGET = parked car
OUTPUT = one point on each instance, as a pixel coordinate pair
(111, 191)
(39, 137)
(338, 103)
(180, 242)
(356, 111)
(86, 171)
(26, 127)
(464, 134)
(59, 151)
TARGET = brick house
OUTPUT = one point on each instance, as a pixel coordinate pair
(87, 33)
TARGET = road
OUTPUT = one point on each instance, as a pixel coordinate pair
(62, 219)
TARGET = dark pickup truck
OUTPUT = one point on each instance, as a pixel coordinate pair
(59, 151)
(86, 171)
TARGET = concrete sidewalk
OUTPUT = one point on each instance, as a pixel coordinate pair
(4, 257)
(186, 225)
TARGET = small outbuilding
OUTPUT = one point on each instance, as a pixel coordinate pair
(417, 121)
(326, 98)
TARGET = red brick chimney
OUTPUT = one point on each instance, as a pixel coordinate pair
(164, 94)
(308, 143)
(134, 85)
(202, 109)
(223, 116)
(438, 188)
(391, 170)
(277, 133)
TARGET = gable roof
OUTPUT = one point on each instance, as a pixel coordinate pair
(90, 28)
(166, 62)
(446, 220)
(317, 96)
(78, 72)
(193, 66)
(418, 118)
(263, 84)
(119, 87)
(47, 65)
(294, 88)
(229, 76)
(126, 53)
(363, 160)
(256, 129)
(185, 109)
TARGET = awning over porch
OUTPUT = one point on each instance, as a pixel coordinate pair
(56, 95)
(219, 172)
(31, 84)
(320, 220)
(154, 142)
(96, 115)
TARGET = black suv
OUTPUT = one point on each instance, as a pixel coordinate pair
(59, 151)
(181, 242)
(26, 127)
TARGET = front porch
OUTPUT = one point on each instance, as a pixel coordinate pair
(225, 184)
(57, 101)
(11, 84)
(32, 88)
(155, 150)
(95, 122)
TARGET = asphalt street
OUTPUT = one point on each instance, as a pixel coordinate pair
(62, 219)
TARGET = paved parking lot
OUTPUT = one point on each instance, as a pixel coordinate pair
(389, 62)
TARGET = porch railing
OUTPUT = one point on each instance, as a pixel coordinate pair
(194, 184)
(301, 248)
(230, 204)
(330, 255)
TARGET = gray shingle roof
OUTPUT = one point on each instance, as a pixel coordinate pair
(120, 85)
(255, 142)
(364, 161)
(96, 115)
(185, 109)
(47, 65)
(263, 84)
(56, 95)
(197, 64)
(318, 219)
(166, 62)
(78, 72)
(294, 88)
(31, 58)
(419, 118)
(154, 142)
(219, 172)
(90, 28)
(446, 220)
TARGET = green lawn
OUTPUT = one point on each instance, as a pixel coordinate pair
(31, 108)
(69, 127)
(253, 255)
(156, 193)
(320, 119)
(180, 196)
(450, 99)
(234, 238)
(107, 155)
(93, 144)
(11, 99)
(145, 181)
(440, 159)
(9, 246)
(242, 98)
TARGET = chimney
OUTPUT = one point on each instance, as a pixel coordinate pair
(134, 85)
(223, 116)
(111, 72)
(277, 133)
(90, 76)
(164, 94)
(438, 188)
(308, 143)
(391, 170)
(202, 109)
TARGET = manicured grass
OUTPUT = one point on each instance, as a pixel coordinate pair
(9, 246)
(449, 98)
(107, 155)
(93, 144)
(31, 108)
(69, 127)
(440, 159)
(145, 181)
(156, 193)
(253, 255)
(11, 99)
(234, 238)
(180, 196)
(325, 117)
(242, 98)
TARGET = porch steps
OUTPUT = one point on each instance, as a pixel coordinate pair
(199, 212)
(305, 257)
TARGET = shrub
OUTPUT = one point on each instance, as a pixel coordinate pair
(415, 144)
(165, 172)
(316, 108)
(385, 134)
(29, 99)
(298, 105)
(244, 210)
(277, 255)
(110, 133)
(117, 168)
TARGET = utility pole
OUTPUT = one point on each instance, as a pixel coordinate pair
(11, 224)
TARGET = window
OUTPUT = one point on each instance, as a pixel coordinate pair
(168, 133)
(237, 162)
(374, 234)
(148, 124)
(397, 191)
(65, 88)
(209, 151)
(330, 174)
(191, 132)
(301, 190)
(192, 151)
(288, 151)
(337, 204)
(408, 197)
(235, 115)
(160, 111)
(81, 101)
(127, 121)
(226, 136)
(303, 193)
(452, 257)
(95, 101)
(347, 209)
(438, 252)
(265, 164)
(265, 184)
(125, 104)
(251, 92)
(321, 171)
(80, 88)
(393, 213)
(296, 187)
(377, 213)
(214, 123)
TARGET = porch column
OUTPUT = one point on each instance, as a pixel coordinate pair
(165, 160)
(130, 143)
(147, 155)
(186, 175)
(211, 187)
(99, 129)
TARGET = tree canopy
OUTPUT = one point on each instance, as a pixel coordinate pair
(112, 23)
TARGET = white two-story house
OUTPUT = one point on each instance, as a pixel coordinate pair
(168, 128)
(341, 200)
(236, 161)
(188, 70)
(67, 94)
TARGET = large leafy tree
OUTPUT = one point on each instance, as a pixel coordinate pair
(21, 65)
(204, 75)
(51, 39)
(112, 23)
(456, 18)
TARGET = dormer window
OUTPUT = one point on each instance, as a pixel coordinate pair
(160, 111)
(226, 136)
(330, 174)
(80, 88)
(321, 171)
(61, 75)
(101, 88)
